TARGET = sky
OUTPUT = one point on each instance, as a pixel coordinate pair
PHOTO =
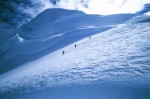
(103, 7)
(24, 10)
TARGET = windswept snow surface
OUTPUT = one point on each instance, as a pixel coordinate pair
(54, 29)
(114, 64)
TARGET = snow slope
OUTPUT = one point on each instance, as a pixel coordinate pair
(117, 60)
(53, 29)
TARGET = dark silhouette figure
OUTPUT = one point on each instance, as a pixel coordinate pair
(63, 52)
(75, 45)
(89, 37)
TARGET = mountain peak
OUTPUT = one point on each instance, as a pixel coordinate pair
(50, 15)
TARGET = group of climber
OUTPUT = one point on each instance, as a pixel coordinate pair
(74, 46)
(64, 51)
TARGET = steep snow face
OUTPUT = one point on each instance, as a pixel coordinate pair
(53, 29)
(121, 54)
(49, 16)
(7, 33)
(52, 21)
(45, 20)
(8, 40)
(138, 19)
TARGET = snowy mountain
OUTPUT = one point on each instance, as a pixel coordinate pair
(45, 34)
(111, 58)
(18, 12)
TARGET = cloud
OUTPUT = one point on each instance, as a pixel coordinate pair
(19, 12)
(103, 7)
(11, 12)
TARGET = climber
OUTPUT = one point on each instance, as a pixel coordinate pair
(63, 52)
(75, 45)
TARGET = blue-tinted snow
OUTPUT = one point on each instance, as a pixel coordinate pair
(114, 64)
(47, 33)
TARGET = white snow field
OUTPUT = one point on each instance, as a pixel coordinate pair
(111, 59)
(51, 30)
